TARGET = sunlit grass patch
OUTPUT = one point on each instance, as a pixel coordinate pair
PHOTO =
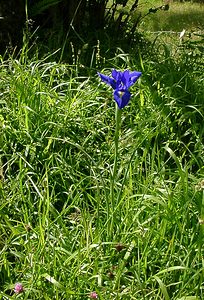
(180, 16)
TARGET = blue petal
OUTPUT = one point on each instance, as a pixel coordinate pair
(125, 78)
(134, 77)
(115, 74)
(122, 98)
(108, 80)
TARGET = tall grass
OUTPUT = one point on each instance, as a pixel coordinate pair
(57, 131)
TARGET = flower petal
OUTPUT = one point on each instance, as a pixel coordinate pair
(108, 80)
(125, 79)
(115, 74)
(122, 98)
(134, 77)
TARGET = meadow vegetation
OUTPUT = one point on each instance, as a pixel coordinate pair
(57, 125)
(180, 15)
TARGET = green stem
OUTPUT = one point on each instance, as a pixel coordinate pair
(117, 133)
(201, 234)
(118, 113)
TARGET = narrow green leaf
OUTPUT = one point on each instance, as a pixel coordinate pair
(162, 287)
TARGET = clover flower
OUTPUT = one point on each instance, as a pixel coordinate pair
(121, 82)
(18, 288)
(93, 295)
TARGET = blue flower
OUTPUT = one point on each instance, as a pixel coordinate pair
(121, 82)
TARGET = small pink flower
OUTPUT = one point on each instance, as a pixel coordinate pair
(93, 295)
(18, 288)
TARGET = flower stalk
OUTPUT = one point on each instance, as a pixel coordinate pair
(118, 113)
(120, 83)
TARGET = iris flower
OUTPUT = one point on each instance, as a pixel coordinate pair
(121, 82)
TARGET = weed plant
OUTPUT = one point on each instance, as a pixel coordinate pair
(57, 131)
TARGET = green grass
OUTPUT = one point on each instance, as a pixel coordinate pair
(57, 152)
(187, 15)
